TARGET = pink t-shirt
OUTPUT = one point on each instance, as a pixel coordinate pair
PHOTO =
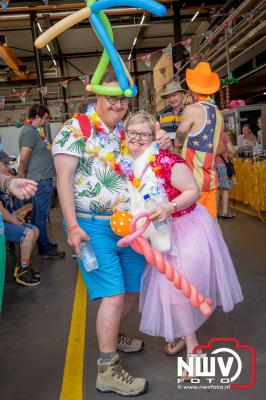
(225, 139)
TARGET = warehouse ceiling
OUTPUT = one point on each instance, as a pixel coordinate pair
(79, 49)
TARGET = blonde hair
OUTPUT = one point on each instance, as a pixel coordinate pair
(140, 117)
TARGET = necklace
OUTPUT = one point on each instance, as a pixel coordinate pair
(100, 129)
(126, 166)
(40, 133)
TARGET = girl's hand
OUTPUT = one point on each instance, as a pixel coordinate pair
(161, 212)
(20, 219)
(14, 220)
(75, 237)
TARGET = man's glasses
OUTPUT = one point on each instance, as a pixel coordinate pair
(144, 136)
(114, 99)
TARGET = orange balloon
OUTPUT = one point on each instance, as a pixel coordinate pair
(120, 223)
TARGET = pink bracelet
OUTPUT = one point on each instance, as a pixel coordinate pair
(71, 228)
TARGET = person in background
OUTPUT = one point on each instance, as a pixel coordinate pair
(259, 132)
(170, 119)
(197, 139)
(198, 134)
(224, 151)
(17, 231)
(36, 163)
(246, 138)
(22, 189)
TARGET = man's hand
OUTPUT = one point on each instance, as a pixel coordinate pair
(75, 237)
(22, 188)
(162, 138)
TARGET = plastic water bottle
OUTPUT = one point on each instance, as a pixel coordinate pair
(88, 257)
(150, 204)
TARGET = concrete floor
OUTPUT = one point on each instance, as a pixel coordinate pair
(34, 327)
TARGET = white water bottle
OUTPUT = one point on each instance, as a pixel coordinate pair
(150, 204)
(88, 257)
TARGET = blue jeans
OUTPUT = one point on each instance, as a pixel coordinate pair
(41, 205)
(16, 233)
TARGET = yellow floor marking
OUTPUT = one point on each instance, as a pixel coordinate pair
(72, 386)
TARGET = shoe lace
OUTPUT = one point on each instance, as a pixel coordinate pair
(118, 371)
(124, 339)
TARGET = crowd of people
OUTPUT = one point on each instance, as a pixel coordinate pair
(105, 161)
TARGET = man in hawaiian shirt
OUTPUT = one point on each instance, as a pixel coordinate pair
(89, 189)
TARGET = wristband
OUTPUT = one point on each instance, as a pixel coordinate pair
(71, 228)
(7, 182)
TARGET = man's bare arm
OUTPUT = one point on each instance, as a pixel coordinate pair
(184, 128)
(25, 153)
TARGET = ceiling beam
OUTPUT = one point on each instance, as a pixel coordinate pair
(89, 54)
(60, 7)
(33, 83)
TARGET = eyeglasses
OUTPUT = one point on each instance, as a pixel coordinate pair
(144, 136)
(113, 100)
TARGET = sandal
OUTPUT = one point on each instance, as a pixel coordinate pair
(175, 346)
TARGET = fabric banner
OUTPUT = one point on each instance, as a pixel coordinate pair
(147, 60)
(187, 44)
(43, 90)
(168, 50)
(177, 65)
(64, 84)
(85, 79)
(4, 4)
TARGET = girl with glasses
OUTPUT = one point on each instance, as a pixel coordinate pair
(195, 245)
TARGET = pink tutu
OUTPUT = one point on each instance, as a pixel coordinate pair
(200, 254)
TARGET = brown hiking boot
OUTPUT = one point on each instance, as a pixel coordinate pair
(113, 378)
(128, 344)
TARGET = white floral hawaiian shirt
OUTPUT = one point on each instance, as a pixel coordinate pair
(97, 187)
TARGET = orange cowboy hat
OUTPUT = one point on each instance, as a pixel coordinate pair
(202, 80)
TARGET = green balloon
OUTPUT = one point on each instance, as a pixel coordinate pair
(107, 90)
(128, 93)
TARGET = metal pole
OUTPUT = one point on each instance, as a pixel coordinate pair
(135, 72)
(37, 56)
(228, 62)
(39, 68)
(178, 51)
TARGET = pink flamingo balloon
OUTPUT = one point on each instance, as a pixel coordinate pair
(155, 258)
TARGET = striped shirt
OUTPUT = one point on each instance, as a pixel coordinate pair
(199, 149)
(170, 122)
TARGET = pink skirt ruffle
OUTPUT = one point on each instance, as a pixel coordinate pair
(203, 258)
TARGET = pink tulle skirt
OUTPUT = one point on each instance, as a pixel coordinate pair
(200, 254)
